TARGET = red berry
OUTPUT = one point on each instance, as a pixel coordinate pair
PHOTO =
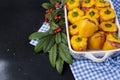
(59, 29)
(57, 5)
(46, 20)
(57, 17)
(48, 11)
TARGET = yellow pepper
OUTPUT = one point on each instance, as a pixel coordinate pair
(93, 13)
(108, 27)
(73, 29)
(100, 4)
(112, 42)
(96, 41)
(107, 14)
(78, 43)
(87, 26)
(87, 4)
(75, 15)
(71, 4)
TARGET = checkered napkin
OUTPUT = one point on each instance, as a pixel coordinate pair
(43, 28)
(88, 70)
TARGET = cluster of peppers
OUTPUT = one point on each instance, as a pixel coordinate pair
(92, 25)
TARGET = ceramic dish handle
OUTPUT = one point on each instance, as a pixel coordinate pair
(95, 59)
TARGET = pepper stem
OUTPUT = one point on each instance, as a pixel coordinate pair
(102, 1)
(108, 25)
(87, 1)
(74, 26)
(107, 12)
(72, 1)
(115, 37)
(78, 39)
(92, 13)
(75, 14)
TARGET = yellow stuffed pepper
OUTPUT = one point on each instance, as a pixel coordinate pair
(87, 4)
(100, 4)
(78, 43)
(71, 4)
(109, 28)
(96, 41)
(107, 14)
(87, 26)
(75, 15)
(112, 42)
(73, 29)
(94, 13)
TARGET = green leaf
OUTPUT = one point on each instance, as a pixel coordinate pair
(58, 38)
(53, 2)
(53, 14)
(61, 13)
(58, 10)
(59, 65)
(37, 35)
(40, 45)
(64, 53)
(63, 1)
(53, 25)
(59, 0)
(48, 43)
(61, 22)
(64, 38)
(53, 55)
(47, 5)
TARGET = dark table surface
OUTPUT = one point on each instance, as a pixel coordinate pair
(18, 19)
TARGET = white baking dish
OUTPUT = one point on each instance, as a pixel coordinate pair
(93, 55)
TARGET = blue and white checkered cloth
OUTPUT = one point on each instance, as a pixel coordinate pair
(89, 70)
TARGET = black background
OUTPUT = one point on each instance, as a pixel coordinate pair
(18, 19)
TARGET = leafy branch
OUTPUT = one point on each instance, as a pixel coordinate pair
(54, 41)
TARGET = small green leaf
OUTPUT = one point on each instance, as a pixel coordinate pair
(59, 65)
(53, 2)
(53, 14)
(53, 25)
(48, 43)
(64, 38)
(58, 0)
(63, 1)
(37, 35)
(61, 22)
(47, 5)
(40, 45)
(53, 55)
(65, 53)
(58, 10)
(58, 38)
